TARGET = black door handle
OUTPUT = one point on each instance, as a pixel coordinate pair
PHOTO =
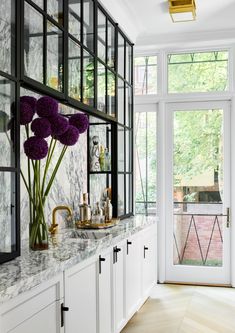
(127, 246)
(145, 249)
(62, 310)
(100, 261)
(115, 252)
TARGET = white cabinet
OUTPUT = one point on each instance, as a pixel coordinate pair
(133, 274)
(80, 297)
(119, 286)
(149, 255)
(38, 310)
(105, 320)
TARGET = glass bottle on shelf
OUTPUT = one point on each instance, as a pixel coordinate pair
(102, 158)
(107, 160)
(85, 209)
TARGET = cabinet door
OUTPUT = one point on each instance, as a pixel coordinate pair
(105, 293)
(80, 298)
(45, 321)
(119, 286)
(149, 255)
(37, 310)
(133, 275)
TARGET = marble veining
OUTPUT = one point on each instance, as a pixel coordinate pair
(33, 268)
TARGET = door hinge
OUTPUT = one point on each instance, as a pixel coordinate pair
(228, 222)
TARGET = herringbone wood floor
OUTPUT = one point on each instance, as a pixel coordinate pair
(186, 309)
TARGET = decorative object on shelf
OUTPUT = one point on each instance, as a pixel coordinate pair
(182, 10)
(85, 209)
(108, 210)
(95, 154)
(102, 158)
(107, 159)
(61, 130)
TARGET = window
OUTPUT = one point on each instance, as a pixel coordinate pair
(146, 75)
(198, 72)
(146, 162)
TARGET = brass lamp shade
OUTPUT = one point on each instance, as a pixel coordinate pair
(182, 10)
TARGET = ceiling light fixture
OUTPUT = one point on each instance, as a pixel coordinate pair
(182, 10)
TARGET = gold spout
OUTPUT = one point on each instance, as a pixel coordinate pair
(54, 226)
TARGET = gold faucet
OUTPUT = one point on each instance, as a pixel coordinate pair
(54, 226)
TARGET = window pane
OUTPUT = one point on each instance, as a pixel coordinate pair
(33, 44)
(7, 126)
(111, 95)
(55, 9)
(88, 24)
(74, 70)
(75, 18)
(88, 78)
(7, 212)
(121, 195)
(198, 72)
(146, 162)
(121, 101)
(121, 54)
(121, 145)
(101, 36)
(111, 45)
(128, 62)
(7, 40)
(54, 57)
(146, 75)
(101, 91)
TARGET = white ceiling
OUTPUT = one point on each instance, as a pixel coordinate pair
(151, 21)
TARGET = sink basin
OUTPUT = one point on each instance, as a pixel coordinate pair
(89, 234)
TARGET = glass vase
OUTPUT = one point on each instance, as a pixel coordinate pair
(38, 230)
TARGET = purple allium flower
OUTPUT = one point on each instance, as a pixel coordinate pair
(59, 125)
(35, 148)
(47, 107)
(79, 120)
(26, 113)
(32, 101)
(41, 127)
(70, 137)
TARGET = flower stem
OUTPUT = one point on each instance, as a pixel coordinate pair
(55, 171)
(48, 160)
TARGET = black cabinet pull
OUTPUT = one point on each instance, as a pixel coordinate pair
(127, 246)
(145, 249)
(115, 252)
(62, 310)
(100, 261)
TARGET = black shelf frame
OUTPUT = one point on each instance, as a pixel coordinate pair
(21, 80)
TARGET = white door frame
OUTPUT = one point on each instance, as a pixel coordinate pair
(163, 180)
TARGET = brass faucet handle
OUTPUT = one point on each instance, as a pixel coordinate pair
(53, 228)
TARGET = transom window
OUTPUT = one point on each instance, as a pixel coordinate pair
(198, 72)
(146, 75)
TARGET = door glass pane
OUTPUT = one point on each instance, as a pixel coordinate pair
(128, 62)
(7, 126)
(128, 151)
(75, 18)
(121, 195)
(101, 43)
(100, 189)
(128, 110)
(111, 94)
(7, 40)
(88, 24)
(198, 187)
(33, 44)
(39, 3)
(121, 54)
(121, 152)
(88, 79)
(7, 212)
(121, 101)
(111, 45)
(74, 70)
(101, 82)
(54, 57)
(55, 10)
(127, 194)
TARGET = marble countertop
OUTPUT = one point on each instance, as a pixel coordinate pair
(35, 267)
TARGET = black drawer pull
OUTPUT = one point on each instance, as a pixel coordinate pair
(145, 249)
(117, 249)
(63, 309)
(127, 246)
(100, 260)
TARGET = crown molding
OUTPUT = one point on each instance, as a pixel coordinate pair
(161, 41)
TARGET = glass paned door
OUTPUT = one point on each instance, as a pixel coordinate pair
(198, 200)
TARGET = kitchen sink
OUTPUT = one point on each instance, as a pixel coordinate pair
(89, 234)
